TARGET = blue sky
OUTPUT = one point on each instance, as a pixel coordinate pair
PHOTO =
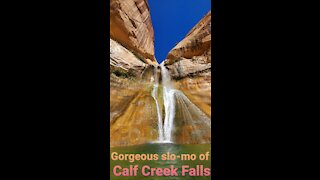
(172, 20)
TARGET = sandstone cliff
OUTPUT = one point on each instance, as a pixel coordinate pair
(133, 111)
(133, 115)
(130, 25)
(197, 43)
(189, 63)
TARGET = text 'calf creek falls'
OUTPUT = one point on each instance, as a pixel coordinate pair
(157, 103)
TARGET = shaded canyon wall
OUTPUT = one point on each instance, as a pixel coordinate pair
(133, 115)
(133, 112)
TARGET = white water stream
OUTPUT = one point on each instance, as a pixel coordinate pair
(155, 97)
(169, 103)
(191, 114)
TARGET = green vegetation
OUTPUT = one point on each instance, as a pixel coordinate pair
(119, 72)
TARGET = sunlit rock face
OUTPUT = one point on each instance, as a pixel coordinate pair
(189, 63)
(133, 111)
(133, 114)
(130, 25)
(196, 43)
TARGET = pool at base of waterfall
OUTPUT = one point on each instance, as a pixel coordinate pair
(159, 160)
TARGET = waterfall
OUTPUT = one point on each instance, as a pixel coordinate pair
(172, 99)
(155, 97)
(169, 103)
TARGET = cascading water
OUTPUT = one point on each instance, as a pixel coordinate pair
(155, 97)
(175, 100)
(169, 103)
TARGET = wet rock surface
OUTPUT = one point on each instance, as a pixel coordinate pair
(133, 111)
(190, 64)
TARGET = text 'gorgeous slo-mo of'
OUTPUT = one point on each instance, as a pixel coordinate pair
(146, 170)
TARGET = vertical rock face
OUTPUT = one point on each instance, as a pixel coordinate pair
(189, 63)
(130, 25)
(196, 44)
(133, 114)
(133, 111)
